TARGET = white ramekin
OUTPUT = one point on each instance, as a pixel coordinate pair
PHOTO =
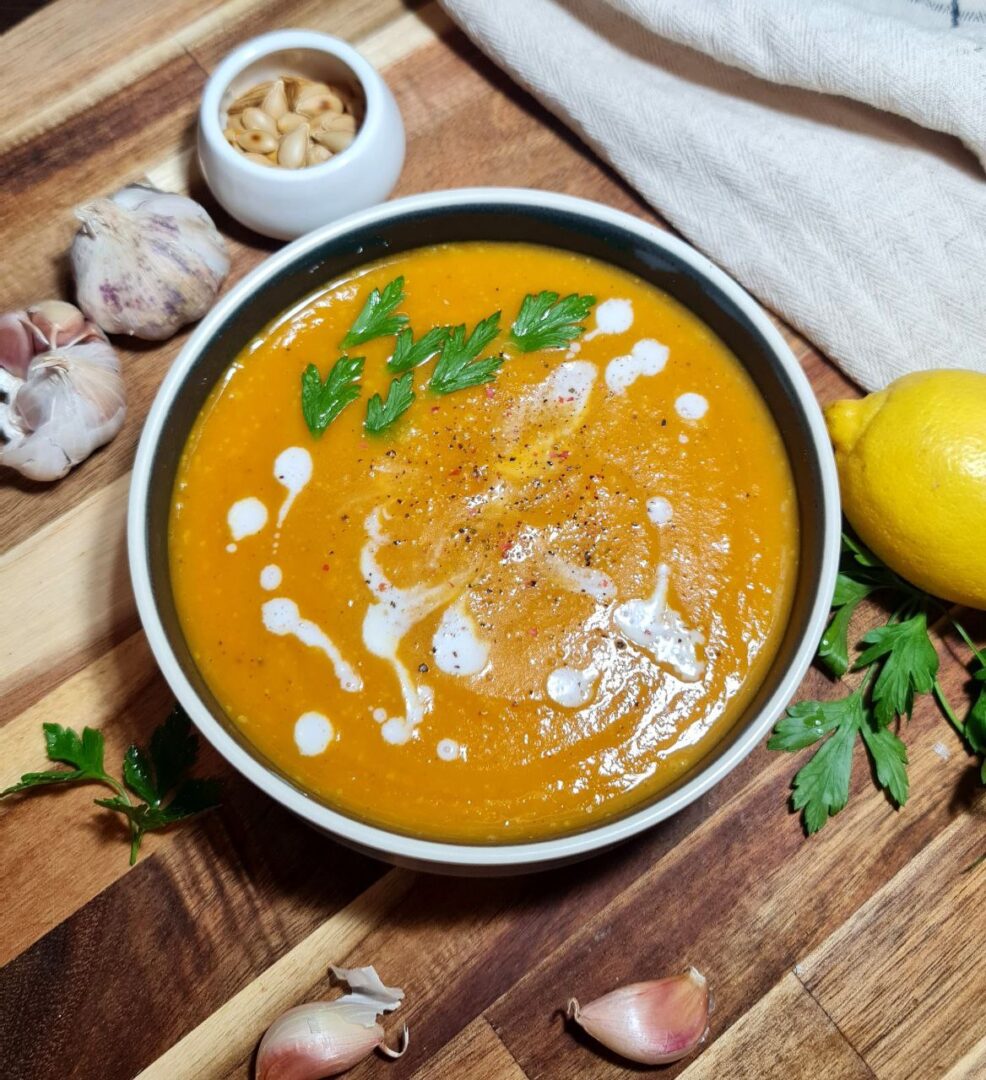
(286, 203)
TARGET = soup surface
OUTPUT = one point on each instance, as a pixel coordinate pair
(522, 607)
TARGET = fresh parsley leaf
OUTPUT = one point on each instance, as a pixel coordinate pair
(975, 722)
(833, 649)
(805, 723)
(151, 776)
(193, 797)
(458, 366)
(849, 591)
(910, 667)
(63, 744)
(547, 322)
(381, 414)
(889, 756)
(321, 402)
(821, 787)
(377, 319)
(409, 353)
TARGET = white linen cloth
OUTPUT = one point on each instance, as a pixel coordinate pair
(813, 148)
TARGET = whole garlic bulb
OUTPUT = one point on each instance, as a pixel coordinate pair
(61, 392)
(146, 262)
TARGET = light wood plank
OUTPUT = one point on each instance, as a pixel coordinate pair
(68, 591)
(474, 1052)
(786, 1034)
(232, 1031)
(903, 978)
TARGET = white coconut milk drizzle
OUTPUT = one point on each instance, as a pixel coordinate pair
(571, 687)
(647, 357)
(292, 470)
(659, 510)
(312, 733)
(691, 406)
(393, 612)
(245, 518)
(270, 577)
(612, 317)
(661, 631)
(456, 645)
(582, 579)
(281, 617)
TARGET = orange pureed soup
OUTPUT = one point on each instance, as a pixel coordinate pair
(523, 607)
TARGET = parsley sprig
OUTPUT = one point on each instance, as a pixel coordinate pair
(321, 402)
(158, 777)
(899, 661)
(377, 319)
(459, 365)
(547, 322)
(409, 353)
(380, 413)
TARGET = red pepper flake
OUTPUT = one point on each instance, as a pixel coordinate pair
(325, 566)
(490, 392)
(457, 471)
(435, 408)
(383, 586)
(561, 454)
(506, 546)
(533, 631)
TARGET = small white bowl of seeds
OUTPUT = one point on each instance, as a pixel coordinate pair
(297, 129)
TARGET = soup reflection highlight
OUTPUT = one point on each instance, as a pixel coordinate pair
(524, 606)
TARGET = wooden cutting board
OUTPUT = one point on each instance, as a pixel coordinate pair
(858, 953)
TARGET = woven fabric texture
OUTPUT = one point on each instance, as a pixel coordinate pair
(829, 154)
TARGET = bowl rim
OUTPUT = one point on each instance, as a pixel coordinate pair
(278, 41)
(379, 840)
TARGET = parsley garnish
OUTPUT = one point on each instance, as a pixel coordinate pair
(151, 777)
(321, 402)
(458, 366)
(409, 353)
(902, 657)
(377, 318)
(545, 322)
(381, 414)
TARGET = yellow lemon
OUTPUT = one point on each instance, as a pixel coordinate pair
(912, 466)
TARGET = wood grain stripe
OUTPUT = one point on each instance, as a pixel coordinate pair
(474, 1052)
(888, 978)
(230, 1035)
(70, 588)
(785, 1029)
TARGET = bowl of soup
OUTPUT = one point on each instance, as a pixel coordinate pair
(484, 529)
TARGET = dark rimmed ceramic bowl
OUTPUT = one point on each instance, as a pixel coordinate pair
(485, 214)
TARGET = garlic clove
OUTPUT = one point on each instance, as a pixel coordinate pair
(57, 322)
(71, 401)
(652, 1023)
(146, 262)
(325, 1038)
(16, 343)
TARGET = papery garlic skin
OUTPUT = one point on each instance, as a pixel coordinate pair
(325, 1038)
(146, 262)
(71, 401)
(652, 1023)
